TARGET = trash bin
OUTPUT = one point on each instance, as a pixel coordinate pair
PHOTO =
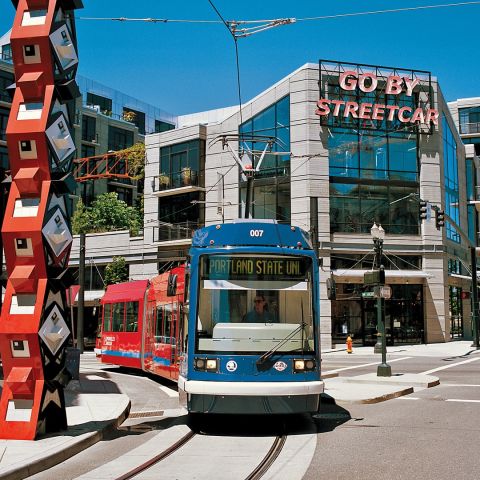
(72, 362)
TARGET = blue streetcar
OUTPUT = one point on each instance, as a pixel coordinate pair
(252, 321)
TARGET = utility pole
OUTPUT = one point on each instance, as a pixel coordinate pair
(81, 293)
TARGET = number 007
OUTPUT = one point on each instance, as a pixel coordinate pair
(256, 233)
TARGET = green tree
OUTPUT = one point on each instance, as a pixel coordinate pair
(116, 271)
(107, 214)
(80, 219)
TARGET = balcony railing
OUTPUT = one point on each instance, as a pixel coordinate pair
(469, 128)
(168, 232)
(168, 181)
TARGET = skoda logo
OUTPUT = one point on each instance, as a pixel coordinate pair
(231, 365)
(280, 366)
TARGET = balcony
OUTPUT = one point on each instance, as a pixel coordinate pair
(175, 234)
(185, 181)
(470, 128)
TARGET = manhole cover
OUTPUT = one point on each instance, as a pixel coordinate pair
(157, 413)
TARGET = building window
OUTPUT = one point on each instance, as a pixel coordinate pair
(274, 172)
(4, 163)
(179, 209)
(354, 207)
(469, 120)
(89, 128)
(181, 164)
(471, 190)
(6, 53)
(6, 80)
(119, 139)
(4, 113)
(102, 104)
(87, 151)
(362, 262)
(136, 117)
(161, 126)
(450, 163)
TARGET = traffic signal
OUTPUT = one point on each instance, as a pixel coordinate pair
(423, 210)
(439, 219)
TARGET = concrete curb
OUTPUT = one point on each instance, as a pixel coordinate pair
(68, 450)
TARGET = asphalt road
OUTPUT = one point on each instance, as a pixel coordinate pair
(430, 434)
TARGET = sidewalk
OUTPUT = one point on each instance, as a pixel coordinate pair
(372, 389)
(95, 405)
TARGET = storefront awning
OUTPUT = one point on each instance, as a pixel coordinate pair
(389, 274)
(462, 277)
(91, 297)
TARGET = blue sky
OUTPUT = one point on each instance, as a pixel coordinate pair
(184, 68)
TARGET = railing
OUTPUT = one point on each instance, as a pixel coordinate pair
(168, 181)
(469, 128)
(180, 231)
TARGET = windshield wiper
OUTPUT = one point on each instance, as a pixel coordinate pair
(270, 352)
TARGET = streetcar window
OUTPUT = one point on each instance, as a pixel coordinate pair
(251, 304)
(118, 317)
(158, 326)
(131, 318)
(107, 317)
(168, 323)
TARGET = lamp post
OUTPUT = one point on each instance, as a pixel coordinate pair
(383, 370)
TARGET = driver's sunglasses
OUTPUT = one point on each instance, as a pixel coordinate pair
(258, 301)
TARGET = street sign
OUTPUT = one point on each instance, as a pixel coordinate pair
(383, 291)
(368, 294)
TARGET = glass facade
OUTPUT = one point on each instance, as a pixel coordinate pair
(271, 193)
(373, 178)
(450, 165)
(471, 210)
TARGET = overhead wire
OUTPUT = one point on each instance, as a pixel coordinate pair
(279, 21)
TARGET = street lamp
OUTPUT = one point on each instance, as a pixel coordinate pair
(378, 235)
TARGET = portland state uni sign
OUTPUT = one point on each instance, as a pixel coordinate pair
(375, 98)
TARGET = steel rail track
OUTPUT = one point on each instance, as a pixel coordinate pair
(269, 458)
(157, 458)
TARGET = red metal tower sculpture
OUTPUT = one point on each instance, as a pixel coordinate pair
(36, 228)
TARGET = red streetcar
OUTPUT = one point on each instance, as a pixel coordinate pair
(141, 323)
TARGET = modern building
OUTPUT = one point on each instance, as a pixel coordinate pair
(366, 146)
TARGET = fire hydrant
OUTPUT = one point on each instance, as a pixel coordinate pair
(349, 344)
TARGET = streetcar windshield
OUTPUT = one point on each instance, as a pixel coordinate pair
(251, 304)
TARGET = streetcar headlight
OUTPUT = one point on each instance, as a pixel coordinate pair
(211, 364)
(199, 363)
(301, 365)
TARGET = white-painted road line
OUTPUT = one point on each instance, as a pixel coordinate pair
(365, 365)
(459, 385)
(461, 400)
(428, 372)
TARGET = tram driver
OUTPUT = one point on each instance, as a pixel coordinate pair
(260, 313)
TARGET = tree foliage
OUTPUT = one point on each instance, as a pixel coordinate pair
(107, 214)
(116, 271)
(136, 160)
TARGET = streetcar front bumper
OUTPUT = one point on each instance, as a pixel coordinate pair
(250, 397)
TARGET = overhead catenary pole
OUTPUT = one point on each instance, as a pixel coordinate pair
(476, 326)
(81, 294)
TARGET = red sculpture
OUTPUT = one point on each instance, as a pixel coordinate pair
(36, 228)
